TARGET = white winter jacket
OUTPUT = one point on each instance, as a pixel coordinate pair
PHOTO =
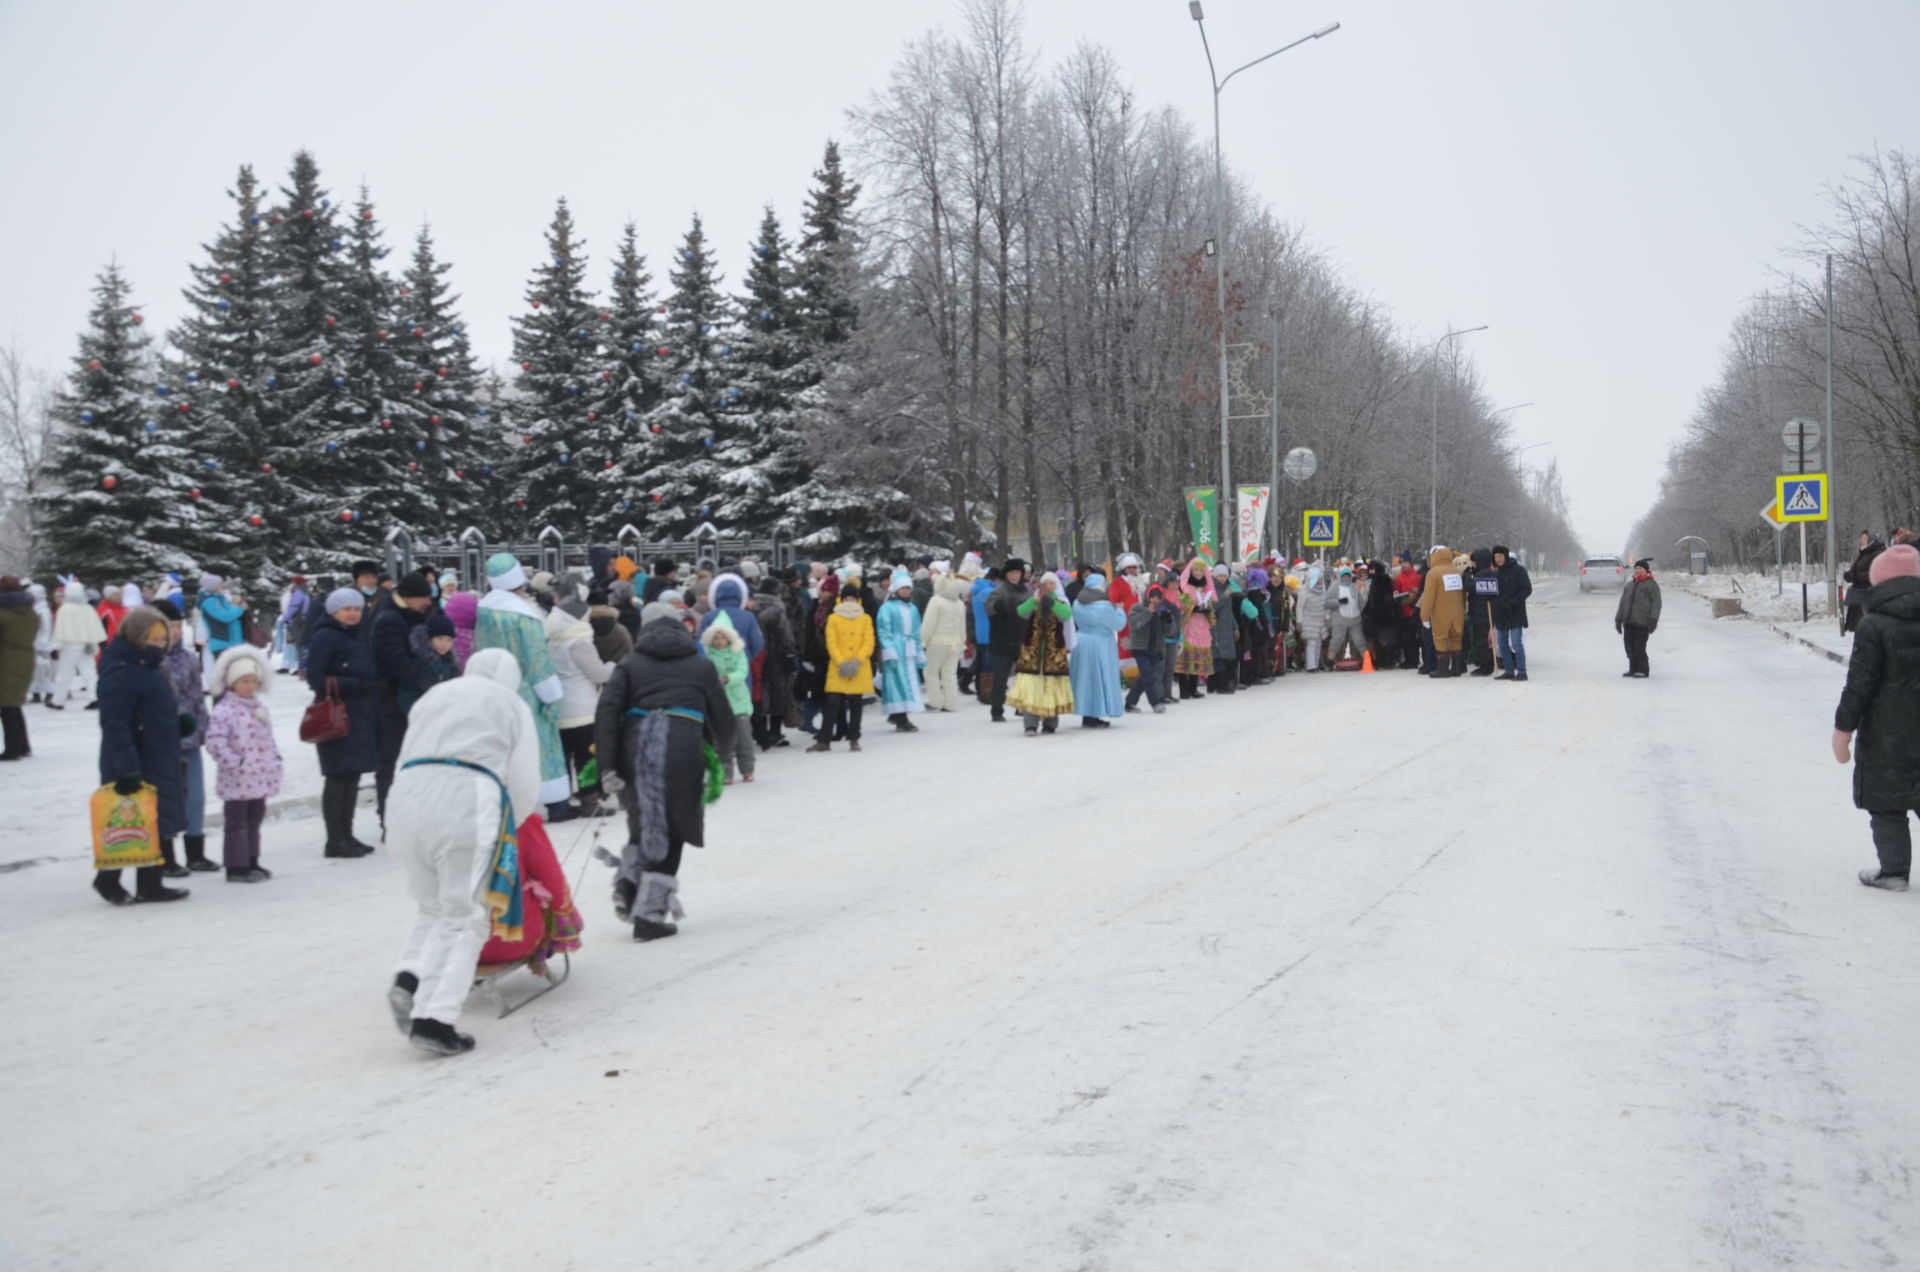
(570, 641)
(76, 622)
(479, 718)
(945, 624)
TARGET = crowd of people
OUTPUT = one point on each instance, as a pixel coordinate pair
(487, 714)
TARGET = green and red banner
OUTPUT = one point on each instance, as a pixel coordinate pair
(1203, 512)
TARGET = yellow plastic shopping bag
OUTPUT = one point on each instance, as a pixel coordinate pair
(126, 828)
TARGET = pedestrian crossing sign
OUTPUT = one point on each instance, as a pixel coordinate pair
(1321, 529)
(1802, 496)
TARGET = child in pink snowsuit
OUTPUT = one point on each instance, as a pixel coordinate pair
(240, 740)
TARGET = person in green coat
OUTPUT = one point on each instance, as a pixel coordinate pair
(509, 619)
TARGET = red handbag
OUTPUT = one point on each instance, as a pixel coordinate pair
(326, 719)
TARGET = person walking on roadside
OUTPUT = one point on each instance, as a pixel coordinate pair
(1881, 705)
(1858, 579)
(1637, 615)
(1510, 612)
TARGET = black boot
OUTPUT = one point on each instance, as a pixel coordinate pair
(336, 810)
(439, 1039)
(169, 865)
(107, 884)
(147, 886)
(197, 854)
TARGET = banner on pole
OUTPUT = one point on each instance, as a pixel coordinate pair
(1203, 513)
(1253, 520)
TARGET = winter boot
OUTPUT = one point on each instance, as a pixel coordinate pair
(400, 1001)
(336, 809)
(247, 874)
(107, 884)
(147, 886)
(1487, 670)
(1874, 878)
(659, 903)
(197, 854)
(439, 1039)
(1520, 677)
(820, 747)
(854, 745)
(169, 866)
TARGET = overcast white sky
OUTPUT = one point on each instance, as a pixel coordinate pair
(1602, 184)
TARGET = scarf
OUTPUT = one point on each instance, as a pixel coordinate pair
(502, 892)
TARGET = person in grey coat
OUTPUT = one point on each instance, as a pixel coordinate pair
(1637, 615)
(1226, 634)
(657, 712)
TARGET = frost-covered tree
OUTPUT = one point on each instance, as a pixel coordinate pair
(442, 422)
(555, 342)
(223, 343)
(633, 372)
(762, 454)
(121, 506)
(680, 490)
(311, 402)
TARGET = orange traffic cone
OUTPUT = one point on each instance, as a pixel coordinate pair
(1366, 660)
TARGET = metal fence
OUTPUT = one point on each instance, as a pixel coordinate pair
(550, 551)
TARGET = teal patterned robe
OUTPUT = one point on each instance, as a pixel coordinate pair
(511, 622)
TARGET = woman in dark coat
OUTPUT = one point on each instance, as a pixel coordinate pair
(140, 731)
(19, 629)
(778, 662)
(1380, 618)
(335, 648)
(1882, 703)
(656, 713)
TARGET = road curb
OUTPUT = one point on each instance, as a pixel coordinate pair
(1791, 637)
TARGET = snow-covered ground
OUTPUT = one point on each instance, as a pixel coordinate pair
(1351, 972)
(1777, 602)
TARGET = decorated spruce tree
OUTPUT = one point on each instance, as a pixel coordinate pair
(219, 369)
(761, 452)
(556, 343)
(436, 405)
(678, 492)
(828, 258)
(317, 383)
(630, 385)
(122, 506)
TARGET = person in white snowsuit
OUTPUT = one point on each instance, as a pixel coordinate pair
(469, 769)
(78, 634)
(1312, 615)
(42, 688)
(944, 631)
(1346, 601)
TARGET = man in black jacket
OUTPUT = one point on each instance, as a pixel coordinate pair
(1510, 613)
(1007, 631)
(393, 658)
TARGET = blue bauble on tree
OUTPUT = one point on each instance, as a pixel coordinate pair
(573, 388)
(193, 377)
(333, 446)
(153, 426)
(212, 464)
(487, 469)
(565, 458)
(339, 381)
(162, 389)
(419, 446)
(86, 417)
(224, 305)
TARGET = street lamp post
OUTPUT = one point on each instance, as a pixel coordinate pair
(1227, 531)
(1433, 490)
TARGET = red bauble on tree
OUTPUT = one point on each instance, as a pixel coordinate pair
(93, 364)
(256, 520)
(138, 319)
(347, 516)
(266, 468)
(315, 359)
(443, 370)
(433, 419)
(233, 384)
(193, 494)
(109, 482)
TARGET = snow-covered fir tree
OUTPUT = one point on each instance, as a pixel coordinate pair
(122, 505)
(680, 489)
(854, 497)
(631, 386)
(556, 343)
(443, 422)
(496, 447)
(316, 478)
(761, 453)
(219, 368)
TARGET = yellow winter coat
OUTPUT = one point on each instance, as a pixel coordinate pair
(849, 639)
(1444, 606)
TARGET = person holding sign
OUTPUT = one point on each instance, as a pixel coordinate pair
(1443, 609)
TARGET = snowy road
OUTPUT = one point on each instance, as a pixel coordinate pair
(1345, 973)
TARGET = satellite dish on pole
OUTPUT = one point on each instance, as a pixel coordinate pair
(1301, 463)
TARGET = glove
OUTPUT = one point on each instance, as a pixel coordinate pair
(187, 725)
(611, 784)
(849, 669)
(128, 785)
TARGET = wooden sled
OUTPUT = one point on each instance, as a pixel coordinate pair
(488, 976)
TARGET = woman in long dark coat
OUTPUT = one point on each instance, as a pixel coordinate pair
(656, 713)
(777, 664)
(140, 730)
(19, 629)
(335, 648)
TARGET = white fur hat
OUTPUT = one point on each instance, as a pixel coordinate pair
(237, 661)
